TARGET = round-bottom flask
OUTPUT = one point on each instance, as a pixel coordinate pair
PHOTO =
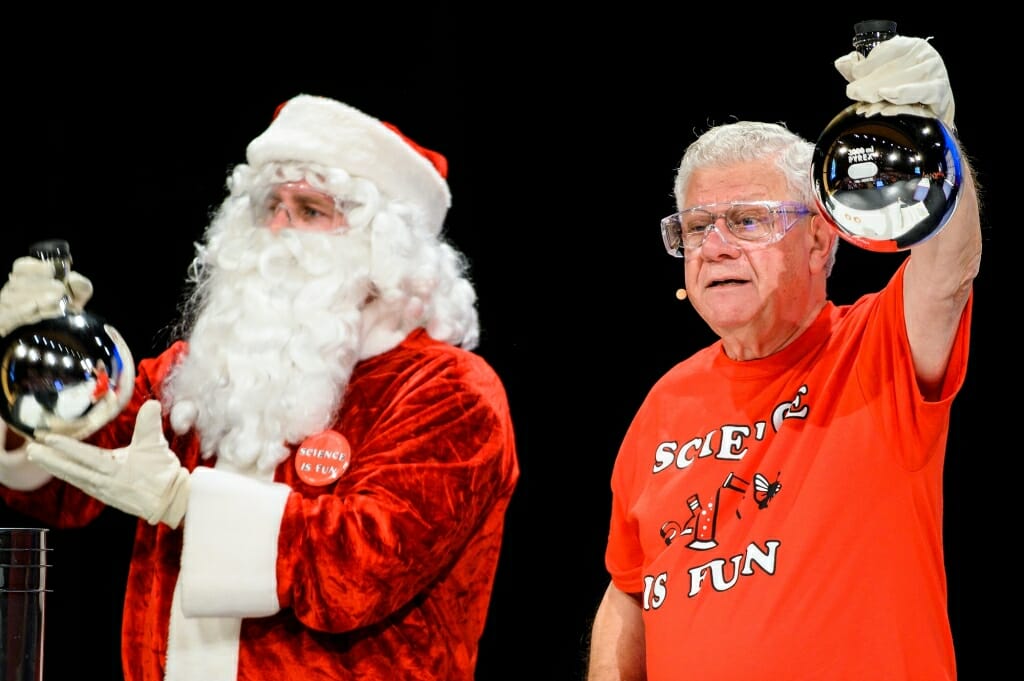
(886, 182)
(69, 373)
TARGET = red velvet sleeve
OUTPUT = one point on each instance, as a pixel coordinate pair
(433, 466)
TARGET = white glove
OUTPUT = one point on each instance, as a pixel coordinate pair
(144, 479)
(16, 472)
(897, 74)
(33, 293)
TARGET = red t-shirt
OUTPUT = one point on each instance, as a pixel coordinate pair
(782, 517)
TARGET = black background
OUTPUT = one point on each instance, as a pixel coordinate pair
(562, 135)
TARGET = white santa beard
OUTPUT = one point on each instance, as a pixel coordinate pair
(274, 344)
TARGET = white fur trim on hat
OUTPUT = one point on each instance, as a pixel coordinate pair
(321, 130)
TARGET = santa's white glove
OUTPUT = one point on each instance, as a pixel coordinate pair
(33, 293)
(144, 479)
(896, 74)
(16, 471)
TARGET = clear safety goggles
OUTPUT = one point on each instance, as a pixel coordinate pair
(298, 205)
(748, 221)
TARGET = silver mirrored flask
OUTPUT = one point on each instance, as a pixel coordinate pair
(70, 373)
(886, 182)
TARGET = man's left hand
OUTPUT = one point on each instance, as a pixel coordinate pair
(144, 479)
(897, 74)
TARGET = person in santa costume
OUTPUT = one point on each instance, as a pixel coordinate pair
(320, 463)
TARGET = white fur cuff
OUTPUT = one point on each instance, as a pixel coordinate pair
(229, 558)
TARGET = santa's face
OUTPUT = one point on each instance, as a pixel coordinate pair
(276, 333)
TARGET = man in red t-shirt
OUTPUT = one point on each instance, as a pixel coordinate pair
(777, 498)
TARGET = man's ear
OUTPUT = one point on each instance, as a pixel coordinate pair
(822, 237)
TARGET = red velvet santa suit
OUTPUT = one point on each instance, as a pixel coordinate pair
(384, 573)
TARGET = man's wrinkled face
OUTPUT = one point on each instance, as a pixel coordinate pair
(298, 205)
(740, 287)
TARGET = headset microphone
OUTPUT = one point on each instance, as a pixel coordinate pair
(681, 294)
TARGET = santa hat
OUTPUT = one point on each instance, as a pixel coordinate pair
(314, 129)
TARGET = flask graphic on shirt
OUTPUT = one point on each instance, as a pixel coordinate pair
(68, 372)
(703, 521)
(886, 182)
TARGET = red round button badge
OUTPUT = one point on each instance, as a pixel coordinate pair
(322, 458)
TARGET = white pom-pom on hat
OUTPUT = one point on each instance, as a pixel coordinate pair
(313, 129)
